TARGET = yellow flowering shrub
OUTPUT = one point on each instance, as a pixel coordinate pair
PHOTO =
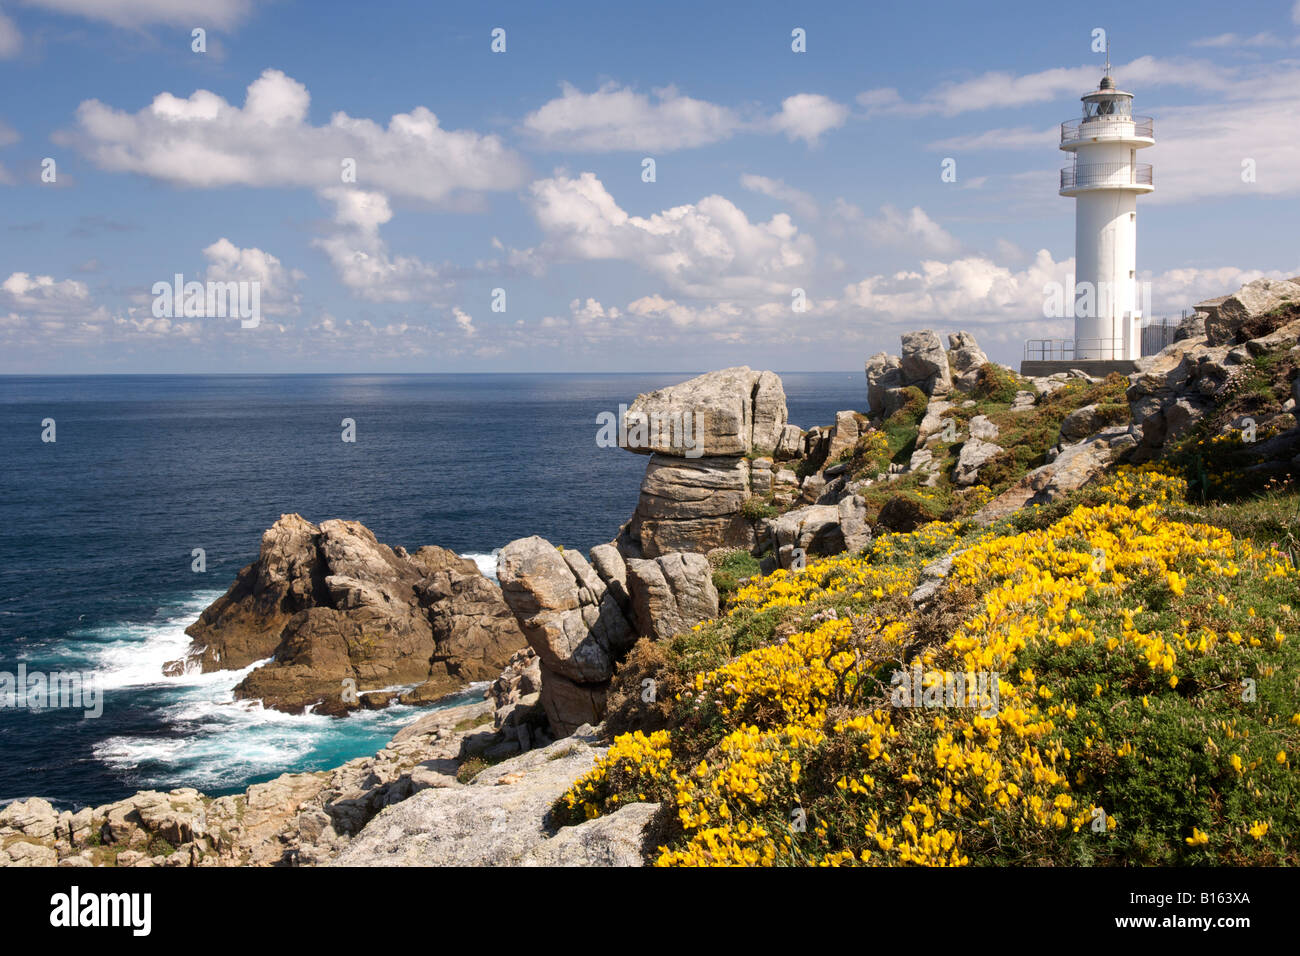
(1145, 704)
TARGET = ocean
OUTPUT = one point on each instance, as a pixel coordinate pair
(98, 529)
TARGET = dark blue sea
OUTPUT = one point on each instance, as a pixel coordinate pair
(97, 531)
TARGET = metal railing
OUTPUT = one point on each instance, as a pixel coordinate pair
(1068, 350)
(1107, 174)
(1107, 127)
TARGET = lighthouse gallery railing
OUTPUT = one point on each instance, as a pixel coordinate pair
(1107, 127)
(1106, 174)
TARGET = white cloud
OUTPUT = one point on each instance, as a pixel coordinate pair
(1019, 137)
(465, 322)
(973, 291)
(616, 118)
(911, 230)
(800, 201)
(44, 295)
(619, 118)
(1295, 13)
(807, 116)
(708, 248)
(1178, 289)
(879, 97)
(1201, 148)
(222, 14)
(277, 285)
(997, 90)
(11, 40)
(203, 141)
(8, 135)
(1248, 113)
(361, 258)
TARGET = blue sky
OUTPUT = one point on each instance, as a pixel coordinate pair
(522, 171)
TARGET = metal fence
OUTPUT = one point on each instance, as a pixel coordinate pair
(1159, 332)
(1107, 174)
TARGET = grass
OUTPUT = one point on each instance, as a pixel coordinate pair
(737, 566)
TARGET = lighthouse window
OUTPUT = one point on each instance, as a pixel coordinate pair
(1107, 107)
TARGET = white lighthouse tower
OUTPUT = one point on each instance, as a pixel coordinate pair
(1105, 181)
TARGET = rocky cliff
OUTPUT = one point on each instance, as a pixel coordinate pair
(342, 615)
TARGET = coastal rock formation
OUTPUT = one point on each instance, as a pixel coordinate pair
(731, 412)
(500, 819)
(582, 618)
(820, 530)
(922, 364)
(340, 613)
(690, 504)
(975, 454)
(1246, 313)
(692, 493)
(965, 359)
(295, 819)
(670, 593)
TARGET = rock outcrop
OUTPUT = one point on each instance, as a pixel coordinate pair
(731, 412)
(581, 619)
(1244, 314)
(819, 530)
(339, 614)
(923, 363)
(692, 493)
(965, 359)
(295, 819)
(501, 819)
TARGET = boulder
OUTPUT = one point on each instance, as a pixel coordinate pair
(499, 819)
(1073, 467)
(934, 421)
(1080, 423)
(824, 529)
(671, 593)
(965, 359)
(581, 620)
(924, 363)
(1191, 327)
(1226, 318)
(790, 445)
(729, 412)
(884, 373)
(564, 609)
(975, 453)
(34, 818)
(982, 428)
(849, 426)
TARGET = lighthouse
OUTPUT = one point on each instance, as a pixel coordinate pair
(1105, 181)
